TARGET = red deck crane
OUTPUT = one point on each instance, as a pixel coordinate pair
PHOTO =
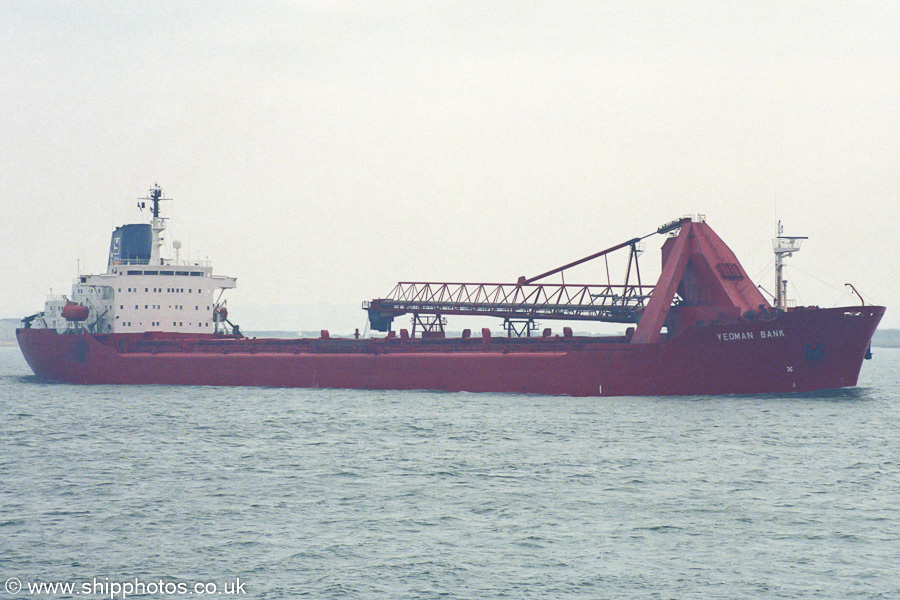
(698, 267)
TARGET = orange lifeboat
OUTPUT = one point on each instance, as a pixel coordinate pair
(220, 313)
(75, 312)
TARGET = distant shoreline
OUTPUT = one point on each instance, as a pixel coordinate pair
(886, 338)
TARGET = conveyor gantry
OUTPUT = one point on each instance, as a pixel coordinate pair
(525, 300)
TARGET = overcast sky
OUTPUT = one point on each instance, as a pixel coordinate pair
(322, 151)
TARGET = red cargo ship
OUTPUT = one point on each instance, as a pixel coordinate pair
(703, 328)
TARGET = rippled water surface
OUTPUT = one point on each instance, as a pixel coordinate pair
(357, 494)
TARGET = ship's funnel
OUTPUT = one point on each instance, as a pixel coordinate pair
(130, 245)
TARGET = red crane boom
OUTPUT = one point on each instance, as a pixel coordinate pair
(522, 301)
(701, 280)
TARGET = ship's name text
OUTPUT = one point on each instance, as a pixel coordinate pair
(749, 335)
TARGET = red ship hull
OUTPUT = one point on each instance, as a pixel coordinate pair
(797, 351)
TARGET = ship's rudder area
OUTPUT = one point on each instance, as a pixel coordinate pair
(56, 357)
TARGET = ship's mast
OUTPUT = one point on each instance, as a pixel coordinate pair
(158, 223)
(784, 246)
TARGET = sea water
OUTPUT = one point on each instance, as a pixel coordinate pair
(291, 493)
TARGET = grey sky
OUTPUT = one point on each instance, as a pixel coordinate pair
(321, 151)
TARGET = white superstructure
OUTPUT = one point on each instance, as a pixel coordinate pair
(141, 291)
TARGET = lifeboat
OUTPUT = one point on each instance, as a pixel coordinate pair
(220, 313)
(75, 312)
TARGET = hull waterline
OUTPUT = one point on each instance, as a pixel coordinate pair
(798, 351)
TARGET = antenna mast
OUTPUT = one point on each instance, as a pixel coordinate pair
(784, 246)
(158, 224)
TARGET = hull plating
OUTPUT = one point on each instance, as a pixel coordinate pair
(798, 351)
